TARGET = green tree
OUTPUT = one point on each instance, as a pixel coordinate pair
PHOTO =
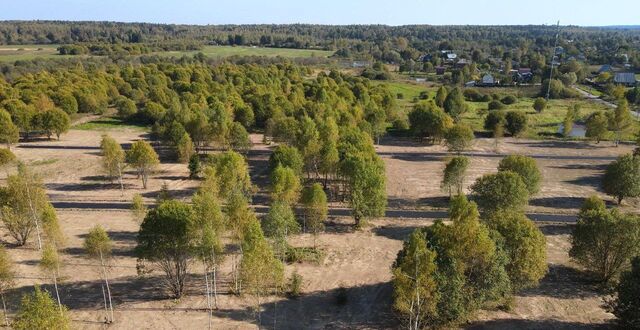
(209, 227)
(525, 245)
(597, 125)
(185, 148)
(567, 124)
(368, 191)
(314, 203)
(459, 137)
(526, 168)
(285, 185)
(627, 304)
(25, 206)
(260, 270)
(429, 121)
(516, 122)
(622, 177)
(143, 158)
(279, 223)
(238, 138)
(138, 209)
(126, 108)
(500, 191)
(454, 174)
(166, 238)
(454, 104)
(494, 119)
(603, 241)
(234, 174)
(539, 104)
(620, 121)
(415, 293)
(9, 133)
(99, 246)
(287, 156)
(113, 159)
(7, 279)
(50, 263)
(55, 121)
(441, 96)
(39, 311)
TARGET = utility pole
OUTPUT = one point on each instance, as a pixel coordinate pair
(553, 56)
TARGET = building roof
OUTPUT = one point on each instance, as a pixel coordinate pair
(524, 70)
(487, 79)
(625, 78)
(605, 68)
(452, 56)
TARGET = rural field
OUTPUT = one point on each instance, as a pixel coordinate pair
(355, 262)
(12, 53)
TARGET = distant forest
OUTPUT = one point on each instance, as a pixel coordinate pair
(390, 44)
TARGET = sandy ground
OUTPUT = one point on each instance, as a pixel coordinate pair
(357, 261)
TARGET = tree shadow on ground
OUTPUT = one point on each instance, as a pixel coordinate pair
(435, 201)
(86, 186)
(508, 324)
(595, 167)
(564, 282)
(559, 144)
(564, 202)
(395, 232)
(588, 181)
(175, 194)
(358, 307)
(556, 229)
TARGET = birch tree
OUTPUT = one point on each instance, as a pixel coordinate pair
(98, 246)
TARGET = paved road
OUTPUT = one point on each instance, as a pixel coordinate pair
(391, 213)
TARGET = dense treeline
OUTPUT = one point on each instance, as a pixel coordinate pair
(394, 44)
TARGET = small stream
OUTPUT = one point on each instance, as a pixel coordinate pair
(577, 131)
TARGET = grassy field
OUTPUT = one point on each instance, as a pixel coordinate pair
(541, 125)
(12, 53)
(109, 123)
(226, 51)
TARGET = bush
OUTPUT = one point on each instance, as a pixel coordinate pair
(591, 242)
(493, 119)
(400, 96)
(509, 99)
(516, 122)
(495, 105)
(622, 177)
(459, 137)
(524, 166)
(6, 157)
(473, 95)
(500, 191)
(295, 285)
(539, 104)
(400, 124)
(424, 95)
(627, 305)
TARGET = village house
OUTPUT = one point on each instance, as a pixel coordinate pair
(625, 78)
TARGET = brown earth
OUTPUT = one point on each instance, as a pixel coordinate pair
(357, 261)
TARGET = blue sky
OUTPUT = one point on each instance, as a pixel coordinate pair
(398, 12)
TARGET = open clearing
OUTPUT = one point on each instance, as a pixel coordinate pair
(357, 261)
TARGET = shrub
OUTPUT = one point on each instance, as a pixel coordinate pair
(627, 305)
(500, 191)
(604, 241)
(6, 157)
(509, 99)
(622, 177)
(539, 104)
(524, 166)
(459, 137)
(495, 105)
(295, 285)
(493, 119)
(516, 122)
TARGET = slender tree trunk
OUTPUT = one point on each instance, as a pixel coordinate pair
(106, 308)
(215, 281)
(55, 285)
(106, 281)
(120, 180)
(4, 307)
(206, 281)
(34, 216)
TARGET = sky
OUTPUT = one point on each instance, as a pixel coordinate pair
(390, 12)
